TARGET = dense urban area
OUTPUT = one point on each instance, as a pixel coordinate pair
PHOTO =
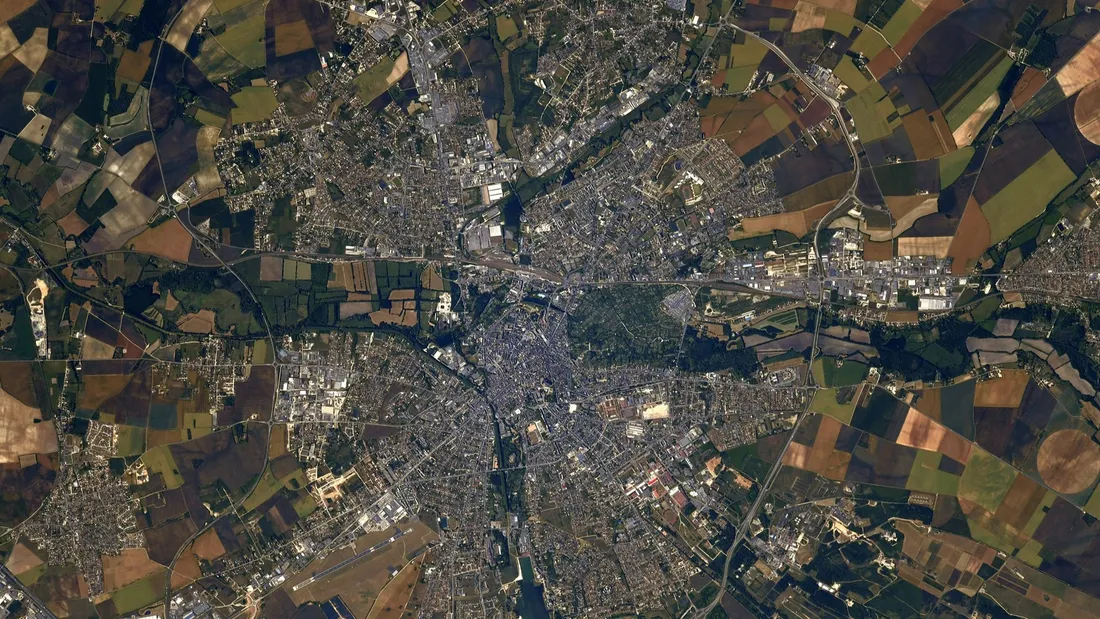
(447, 309)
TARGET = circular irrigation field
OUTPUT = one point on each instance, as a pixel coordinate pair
(1086, 112)
(1069, 461)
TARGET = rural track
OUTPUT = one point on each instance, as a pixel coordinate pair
(849, 196)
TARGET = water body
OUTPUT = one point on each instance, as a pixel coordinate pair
(532, 605)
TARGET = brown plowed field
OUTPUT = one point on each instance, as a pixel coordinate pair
(972, 238)
(1004, 392)
(1069, 461)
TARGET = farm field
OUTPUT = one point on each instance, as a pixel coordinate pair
(720, 308)
(253, 104)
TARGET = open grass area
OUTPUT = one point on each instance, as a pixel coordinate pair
(1093, 504)
(841, 23)
(738, 78)
(925, 475)
(245, 40)
(983, 535)
(851, 75)
(304, 505)
(1041, 512)
(831, 372)
(138, 595)
(963, 71)
(869, 43)
(130, 441)
(209, 118)
(32, 575)
(1027, 196)
(953, 164)
(263, 491)
(254, 103)
(104, 9)
(159, 460)
(825, 402)
(900, 23)
(375, 80)
(444, 11)
(196, 425)
(747, 54)
(986, 479)
(784, 321)
(506, 28)
(776, 118)
(870, 122)
(225, 305)
(1030, 553)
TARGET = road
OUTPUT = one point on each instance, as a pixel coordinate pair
(30, 602)
(842, 205)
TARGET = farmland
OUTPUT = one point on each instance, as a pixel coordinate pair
(375, 80)
(1027, 196)
(253, 104)
(551, 309)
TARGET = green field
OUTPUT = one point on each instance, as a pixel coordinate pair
(1030, 553)
(506, 28)
(783, 321)
(746, 460)
(851, 75)
(245, 40)
(226, 5)
(254, 103)
(953, 164)
(138, 595)
(159, 460)
(444, 11)
(374, 81)
(738, 78)
(870, 123)
(831, 372)
(1040, 513)
(747, 54)
(106, 8)
(925, 475)
(898, 179)
(32, 575)
(985, 308)
(215, 63)
(777, 118)
(972, 63)
(295, 270)
(208, 118)
(841, 23)
(986, 479)
(900, 23)
(1027, 196)
(131, 441)
(977, 95)
(1093, 504)
(196, 425)
(226, 306)
(990, 538)
(825, 402)
(263, 491)
(304, 505)
(869, 43)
